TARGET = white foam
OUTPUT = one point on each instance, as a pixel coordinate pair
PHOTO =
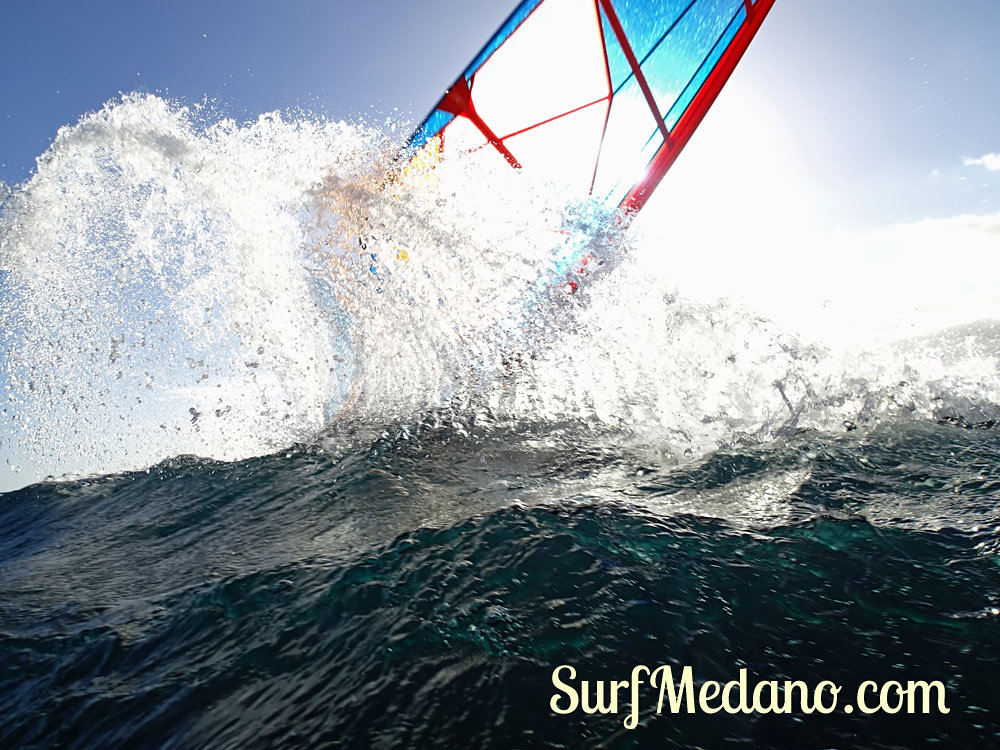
(175, 286)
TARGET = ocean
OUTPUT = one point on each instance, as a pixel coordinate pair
(297, 455)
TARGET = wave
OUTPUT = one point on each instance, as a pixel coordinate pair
(174, 284)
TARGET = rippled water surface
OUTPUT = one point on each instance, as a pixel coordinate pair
(419, 592)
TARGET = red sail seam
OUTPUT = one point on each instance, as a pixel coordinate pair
(607, 114)
(553, 119)
(616, 26)
(697, 109)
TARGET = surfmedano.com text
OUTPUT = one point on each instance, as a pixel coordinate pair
(660, 687)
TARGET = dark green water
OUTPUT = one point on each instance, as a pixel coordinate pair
(419, 592)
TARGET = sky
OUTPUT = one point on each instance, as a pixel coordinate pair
(61, 59)
(885, 100)
(853, 155)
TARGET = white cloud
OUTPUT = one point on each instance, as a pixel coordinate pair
(990, 161)
(743, 215)
(765, 245)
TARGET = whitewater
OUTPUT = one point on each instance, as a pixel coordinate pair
(175, 283)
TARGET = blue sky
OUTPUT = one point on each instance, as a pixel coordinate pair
(887, 98)
(59, 60)
(890, 97)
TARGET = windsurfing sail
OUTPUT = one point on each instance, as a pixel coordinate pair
(598, 95)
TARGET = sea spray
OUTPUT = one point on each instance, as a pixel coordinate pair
(175, 284)
(155, 300)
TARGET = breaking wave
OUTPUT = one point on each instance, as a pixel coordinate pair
(176, 284)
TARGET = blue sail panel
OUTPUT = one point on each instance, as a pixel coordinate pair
(672, 115)
(599, 96)
(646, 22)
(619, 69)
(678, 56)
(430, 127)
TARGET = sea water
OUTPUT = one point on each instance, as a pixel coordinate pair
(300, 454)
